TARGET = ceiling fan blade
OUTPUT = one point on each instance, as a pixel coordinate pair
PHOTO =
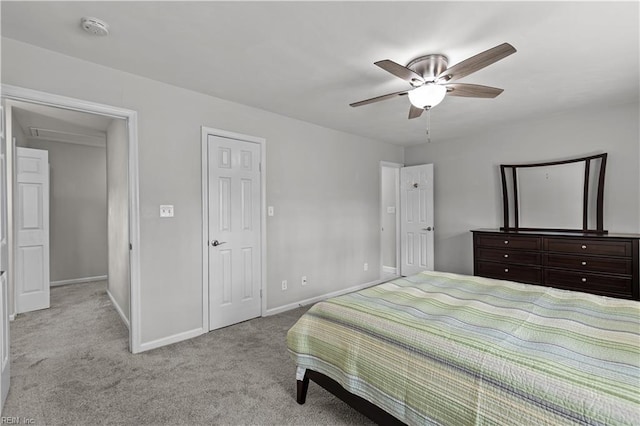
(400, 71)
(415, 112)
(477, 62)
(472, 90)
(378, 98)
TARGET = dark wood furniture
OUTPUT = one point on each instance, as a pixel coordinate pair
(604, 264)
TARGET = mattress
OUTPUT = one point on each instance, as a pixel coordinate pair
(449, 349)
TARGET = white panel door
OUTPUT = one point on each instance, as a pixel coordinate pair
(4, 299)
(234, 231)
(416, 226)
(32, 229)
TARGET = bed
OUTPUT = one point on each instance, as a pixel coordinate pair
(449, 349)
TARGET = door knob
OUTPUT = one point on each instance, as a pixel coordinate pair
(428, 228)
(216, 243)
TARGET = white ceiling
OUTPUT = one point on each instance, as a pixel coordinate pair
(309, 60)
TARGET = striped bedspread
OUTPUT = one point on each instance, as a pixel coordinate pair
(448, 349)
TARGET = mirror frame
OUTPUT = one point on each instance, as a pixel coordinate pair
(504, 172)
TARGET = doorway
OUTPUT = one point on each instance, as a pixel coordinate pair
(125, 126)
(406, 219)
(389, 220)
(234, 222)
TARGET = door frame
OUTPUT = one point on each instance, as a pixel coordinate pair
(16, 93)
(205, 132)
(397, 166)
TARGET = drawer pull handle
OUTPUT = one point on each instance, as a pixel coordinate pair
(584, 263)
(584, 280)
(506, 269)
(506, 241)
(506, 255)
(584, 247)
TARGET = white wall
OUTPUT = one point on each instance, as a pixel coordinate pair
(323, 184)
(468, 194)
(78, 210)
(118, 216)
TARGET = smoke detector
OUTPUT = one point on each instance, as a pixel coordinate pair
(95, 26)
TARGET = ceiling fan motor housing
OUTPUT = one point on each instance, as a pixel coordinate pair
(429, 66)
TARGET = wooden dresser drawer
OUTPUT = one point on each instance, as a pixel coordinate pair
(588, 282)
(508, 256)
(510, 241)
(502, 271)
(604, 264)
(585, 246)
(613, 265)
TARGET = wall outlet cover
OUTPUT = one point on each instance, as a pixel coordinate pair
(166, 210)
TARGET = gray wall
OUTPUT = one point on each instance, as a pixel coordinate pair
(467, 190)
(77, 210)
(118, 215)
(323, 184)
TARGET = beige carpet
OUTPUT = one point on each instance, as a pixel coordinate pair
(70, 366)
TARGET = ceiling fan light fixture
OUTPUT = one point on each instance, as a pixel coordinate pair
(427, 95)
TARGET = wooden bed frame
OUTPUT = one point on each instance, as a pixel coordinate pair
(361, 405)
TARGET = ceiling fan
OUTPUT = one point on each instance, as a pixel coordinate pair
(431, 80)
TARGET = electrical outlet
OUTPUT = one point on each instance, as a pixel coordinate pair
(304, 280)
(366, 266)
(284, 285)
(166, 210)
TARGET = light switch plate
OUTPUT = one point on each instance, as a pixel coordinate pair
(270, 210)
(166, 211)
(391, 209)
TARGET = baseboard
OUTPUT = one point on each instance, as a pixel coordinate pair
(290, 306)
(118, 309)
(78, 280)
(179, 337)
(389, 270)
(186, 335)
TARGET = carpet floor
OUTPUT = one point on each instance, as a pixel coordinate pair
(70, 366)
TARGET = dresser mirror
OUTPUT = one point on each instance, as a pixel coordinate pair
(566, 195)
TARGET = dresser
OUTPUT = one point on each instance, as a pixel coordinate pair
(604, 264)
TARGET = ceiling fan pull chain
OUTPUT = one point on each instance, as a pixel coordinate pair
(428, 109)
